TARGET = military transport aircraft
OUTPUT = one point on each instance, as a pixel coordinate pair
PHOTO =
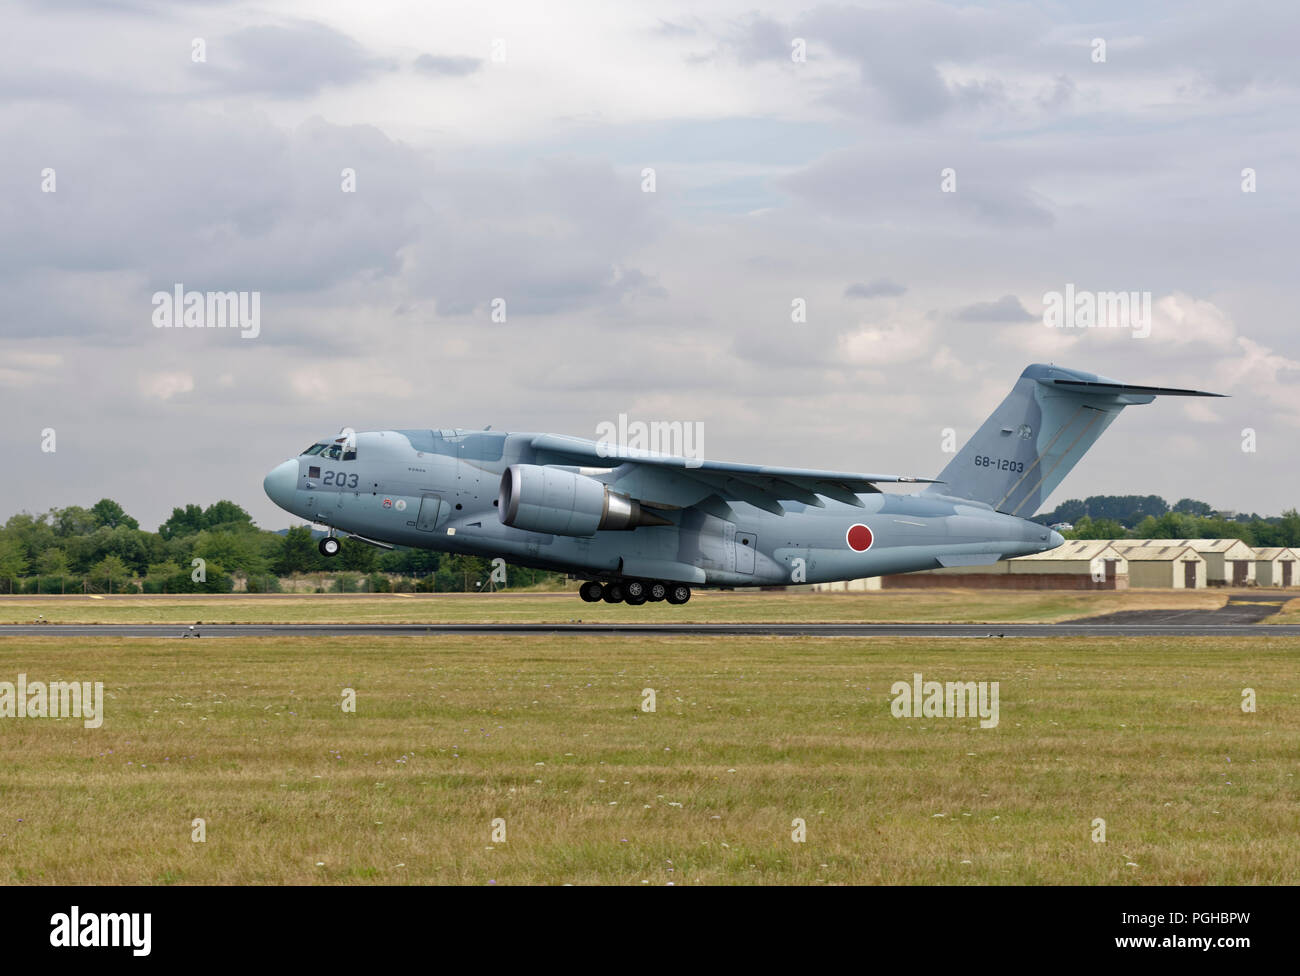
(640, 526)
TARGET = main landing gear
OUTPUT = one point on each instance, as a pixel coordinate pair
(634, 592)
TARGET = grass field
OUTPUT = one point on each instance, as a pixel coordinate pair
(749, 734)
(922, 606)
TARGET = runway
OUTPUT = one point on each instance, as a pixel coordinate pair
(1173, 628)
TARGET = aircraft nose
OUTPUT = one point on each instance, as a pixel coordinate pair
(281, 483)
(1055, 539)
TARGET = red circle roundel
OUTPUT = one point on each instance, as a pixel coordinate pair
(859, 537)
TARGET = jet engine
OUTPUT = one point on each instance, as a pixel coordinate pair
(559, 502)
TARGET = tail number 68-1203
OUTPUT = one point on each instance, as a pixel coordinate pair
(999, 464)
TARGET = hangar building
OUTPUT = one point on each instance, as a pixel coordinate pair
(1228, 562)
(1159, 565)
(1079, 564)
(1276, 567)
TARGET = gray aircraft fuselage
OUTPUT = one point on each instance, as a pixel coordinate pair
(442, 490)
(634, 523)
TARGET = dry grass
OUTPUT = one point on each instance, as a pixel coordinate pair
(1290, 612)
(924, 606)
(749, 734)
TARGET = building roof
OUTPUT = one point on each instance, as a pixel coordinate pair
(1159, 553)
(1200, 545)
(1275, 553)
(1079, 549)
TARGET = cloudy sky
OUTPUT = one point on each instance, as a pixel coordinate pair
(500, 151)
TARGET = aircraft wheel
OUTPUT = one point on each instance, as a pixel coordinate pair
(635, 601)
(329, 546)
(679, 593)
(656, 592)
(591, 591)
(613, 593)
(634, 589)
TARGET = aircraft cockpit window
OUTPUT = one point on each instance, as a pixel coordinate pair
(337, 452)
(314, 449)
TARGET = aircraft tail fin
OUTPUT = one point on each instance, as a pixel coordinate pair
(1037, 435)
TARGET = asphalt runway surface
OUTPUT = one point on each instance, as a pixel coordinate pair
(1073, 629)
(1241, 616)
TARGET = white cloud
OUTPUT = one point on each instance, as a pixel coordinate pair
(164, 386)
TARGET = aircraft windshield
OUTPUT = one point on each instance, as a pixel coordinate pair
(335, 452)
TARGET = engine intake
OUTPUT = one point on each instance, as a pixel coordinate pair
(558, 502)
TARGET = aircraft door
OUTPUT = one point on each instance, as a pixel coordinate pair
(427, 518)
(746, 543)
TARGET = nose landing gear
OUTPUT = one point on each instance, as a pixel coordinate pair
(329, 546)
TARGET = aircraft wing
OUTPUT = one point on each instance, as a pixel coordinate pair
(761, 486)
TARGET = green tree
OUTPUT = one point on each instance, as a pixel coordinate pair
(1170, 525)
(183, 521)
(110, 513)
(358, 557)
(73, 521)
(226, 515)
(131, 546)
(235, 551)
(298, 553)
(110, 572)
(1288, 527)
(1090, 528)
(34, 532)
(13, 560)
(53, 562)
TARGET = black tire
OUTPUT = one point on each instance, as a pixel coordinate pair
(634, 601)
(613, 593)
(656, 592)
(329, 546)
(679, 593)
(634, 589)
(591, 591)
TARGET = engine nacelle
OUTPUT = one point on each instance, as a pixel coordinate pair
(542, 499)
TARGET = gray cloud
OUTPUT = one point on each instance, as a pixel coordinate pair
(445, 65)
(877, 288)
(290, 60)
(899, 50)
(906, 184)
(775, 182)
(1005, 309)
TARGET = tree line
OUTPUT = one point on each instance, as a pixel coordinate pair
(102, 549)
(1151, 517)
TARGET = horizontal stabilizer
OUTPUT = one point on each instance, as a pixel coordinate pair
(1126, 389)
(969, 559)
